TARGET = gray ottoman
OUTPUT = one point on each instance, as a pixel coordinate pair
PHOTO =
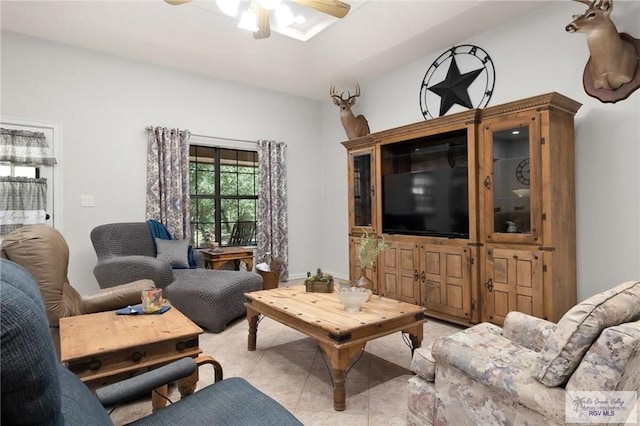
(211, 298)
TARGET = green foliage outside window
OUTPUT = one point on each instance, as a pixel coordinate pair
(236, 200)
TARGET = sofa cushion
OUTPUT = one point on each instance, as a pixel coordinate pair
(612, 362)
(580, 327)
(173, 251)
(526, 330)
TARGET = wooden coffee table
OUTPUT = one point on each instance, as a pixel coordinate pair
(340, 334)
(104, 348)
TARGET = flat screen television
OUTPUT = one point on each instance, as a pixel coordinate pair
(425, 186)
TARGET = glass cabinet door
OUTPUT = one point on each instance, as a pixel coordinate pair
(511, 181)
(362, 190)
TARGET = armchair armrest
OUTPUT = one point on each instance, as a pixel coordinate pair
(526, 330)
(125, 269)
(143, 384)
(483, 354)
(115, 297)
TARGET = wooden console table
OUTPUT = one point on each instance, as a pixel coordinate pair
(105, 348)
(215, 260)
(341, 335)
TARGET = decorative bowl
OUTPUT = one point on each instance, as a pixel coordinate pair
(353, 298)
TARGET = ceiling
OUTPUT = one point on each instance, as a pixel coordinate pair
(371, 40)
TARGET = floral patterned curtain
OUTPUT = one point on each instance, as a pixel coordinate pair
(273, 233)
(168, 179)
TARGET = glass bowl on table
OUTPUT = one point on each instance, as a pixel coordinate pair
(353, 298)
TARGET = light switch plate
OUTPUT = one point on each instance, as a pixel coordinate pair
(86, 201)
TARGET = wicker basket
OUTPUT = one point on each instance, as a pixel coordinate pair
(319, 286)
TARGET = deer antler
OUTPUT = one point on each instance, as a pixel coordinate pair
(334, 93)
(349, 97)
(597, 4)
(357, 91)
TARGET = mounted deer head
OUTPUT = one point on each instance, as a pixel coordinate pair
(354, 126)
(613, 60)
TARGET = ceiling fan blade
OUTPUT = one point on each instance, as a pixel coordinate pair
(330, 7)
(177, 2)
(262, 21)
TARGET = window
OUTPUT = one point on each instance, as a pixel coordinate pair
(224, 196)
(7, 169)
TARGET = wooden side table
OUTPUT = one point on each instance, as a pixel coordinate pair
(105, 348)
(215, 260)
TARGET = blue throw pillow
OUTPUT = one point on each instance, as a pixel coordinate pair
(192, 260)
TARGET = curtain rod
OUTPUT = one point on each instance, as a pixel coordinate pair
(213, 137)
(224, 139)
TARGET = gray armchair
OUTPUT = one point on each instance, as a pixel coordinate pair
(210, 298)
(36, 389)
(125, 251)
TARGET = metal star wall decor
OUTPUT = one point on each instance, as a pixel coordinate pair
(443, 87)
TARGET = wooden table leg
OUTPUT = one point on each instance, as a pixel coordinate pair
(187, 385)
(252, 317)
(159, 397)
(339, 390)
(416, 335)
(339, 359)
(249, 263)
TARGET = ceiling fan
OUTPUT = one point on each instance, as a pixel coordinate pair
(260, 9)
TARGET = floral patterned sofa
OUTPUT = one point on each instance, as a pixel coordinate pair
(521, 373)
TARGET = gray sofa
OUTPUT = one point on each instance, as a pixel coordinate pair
(210, 298)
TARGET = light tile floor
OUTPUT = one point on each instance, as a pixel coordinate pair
(289, 367)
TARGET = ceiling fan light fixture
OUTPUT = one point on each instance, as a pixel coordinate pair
(270, 4)
(229, 7)
(284, 16)
(248, 21)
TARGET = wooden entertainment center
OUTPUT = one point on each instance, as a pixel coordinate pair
(486, 224)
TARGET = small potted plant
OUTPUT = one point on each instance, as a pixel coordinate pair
(320, 282)
(370, 248)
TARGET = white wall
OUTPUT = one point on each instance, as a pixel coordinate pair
(532, 56)
(104, 104)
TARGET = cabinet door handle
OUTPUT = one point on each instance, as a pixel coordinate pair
(423, 277)
(489, 285)
(487, 182)
(416, 275)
